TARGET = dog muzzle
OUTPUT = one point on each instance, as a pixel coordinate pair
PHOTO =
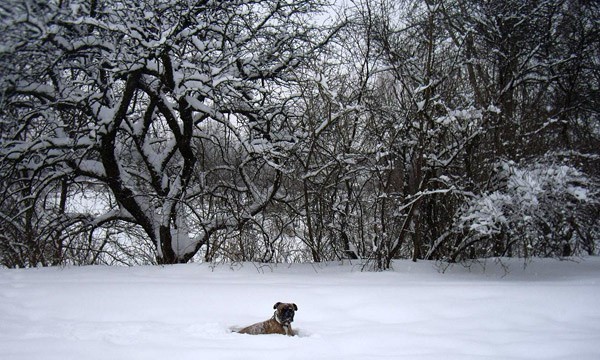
(285, 316)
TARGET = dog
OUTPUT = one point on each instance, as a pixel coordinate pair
(278, 324)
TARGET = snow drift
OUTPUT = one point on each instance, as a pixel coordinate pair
(545, 310)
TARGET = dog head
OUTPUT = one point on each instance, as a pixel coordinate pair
(284, 312)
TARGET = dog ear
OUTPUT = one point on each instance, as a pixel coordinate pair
(276, 305)
(295, 307)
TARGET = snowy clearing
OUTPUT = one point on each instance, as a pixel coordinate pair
(547, 310)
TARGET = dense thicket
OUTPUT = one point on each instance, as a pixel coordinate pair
(280, 131)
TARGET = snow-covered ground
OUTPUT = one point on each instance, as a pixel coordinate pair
(547, 310)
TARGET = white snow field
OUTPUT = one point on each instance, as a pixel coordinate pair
(546, 310)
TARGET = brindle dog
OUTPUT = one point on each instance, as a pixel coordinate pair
(278, 324)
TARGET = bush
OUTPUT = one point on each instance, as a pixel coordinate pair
(538, 209)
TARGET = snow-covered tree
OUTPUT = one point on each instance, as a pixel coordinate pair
(176, 108)
(255, 130)
(539, 209)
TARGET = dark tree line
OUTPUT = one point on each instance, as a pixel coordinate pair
(165, 131)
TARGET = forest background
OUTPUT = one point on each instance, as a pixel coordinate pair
(170, 131)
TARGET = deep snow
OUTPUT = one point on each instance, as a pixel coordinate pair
(546, 310)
